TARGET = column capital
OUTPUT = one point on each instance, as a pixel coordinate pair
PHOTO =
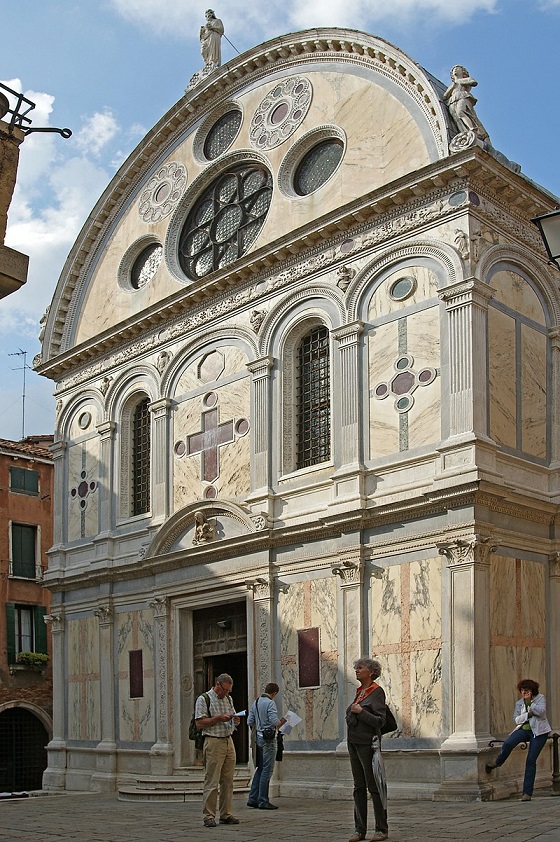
(160, 604)
(56, 620)
(262, 587)
(161, 406)
(348, 334)
(467, 291)
(464, 551)
(554, 565)
(106, 429)
(58, 449)
(104, 614)
(261, 367)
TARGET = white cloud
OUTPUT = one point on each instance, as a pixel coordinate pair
(96, 132)
(263, 20)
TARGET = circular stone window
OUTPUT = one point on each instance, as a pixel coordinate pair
(402, 288)
(280, 113)
(222, 134)
(317, 166)
(146, 265)
(225, 220)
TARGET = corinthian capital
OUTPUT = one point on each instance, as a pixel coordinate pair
(475, 549)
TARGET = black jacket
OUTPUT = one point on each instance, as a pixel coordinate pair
(365, 725)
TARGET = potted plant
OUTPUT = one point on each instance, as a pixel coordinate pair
(34, 660)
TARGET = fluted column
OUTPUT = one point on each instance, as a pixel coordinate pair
(106, 750)
(161, 448)
(349, 435)
(162, 751)
(54, 777)
(467, 319)
(260, 423)
(106, 432)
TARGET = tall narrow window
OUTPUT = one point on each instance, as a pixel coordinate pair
(25, 630)
(24, 543)
(141, 458)
(313, 399)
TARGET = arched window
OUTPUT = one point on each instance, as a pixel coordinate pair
(313, 399)
(140, 462)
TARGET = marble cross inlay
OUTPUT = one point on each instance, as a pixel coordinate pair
(208, 441)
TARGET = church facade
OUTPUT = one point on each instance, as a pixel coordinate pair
(306, 355)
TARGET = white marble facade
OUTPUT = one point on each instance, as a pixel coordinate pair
(425, 535)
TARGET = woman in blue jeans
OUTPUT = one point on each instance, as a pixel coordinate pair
(533, 728)
(263, 714)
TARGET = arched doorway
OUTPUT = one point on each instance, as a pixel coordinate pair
(23, 753)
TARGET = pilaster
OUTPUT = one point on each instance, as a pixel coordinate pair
(161, 753)
(349, 477)
(160, 450)
(60, 509)
(260, 425)
(262, 589)
(106, 432)
(54, 776)
(106, 751)
(553, 642)
(468, 562)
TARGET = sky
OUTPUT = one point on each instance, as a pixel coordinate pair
(109, 69)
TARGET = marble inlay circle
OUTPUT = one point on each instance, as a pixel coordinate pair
(280, 113)
(162, 192)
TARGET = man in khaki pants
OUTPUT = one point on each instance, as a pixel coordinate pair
(219, 751)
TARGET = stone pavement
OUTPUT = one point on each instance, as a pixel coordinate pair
(93, 817)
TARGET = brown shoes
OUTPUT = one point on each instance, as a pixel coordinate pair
(357, 837)
(525, 797)
(229, 820)
(379, 835)
(490, 767)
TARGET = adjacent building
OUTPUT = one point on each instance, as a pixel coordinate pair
(306, 356)
(26, 506)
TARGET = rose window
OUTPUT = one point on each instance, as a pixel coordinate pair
(225, 220)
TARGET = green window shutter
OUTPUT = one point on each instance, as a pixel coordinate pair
(11, 632)
(23, 550)
(40, 629)
(24, 480)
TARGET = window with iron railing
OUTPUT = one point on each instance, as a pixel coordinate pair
(140, 475)
(313, 399)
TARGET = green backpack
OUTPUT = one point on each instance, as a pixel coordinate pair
(195, 734)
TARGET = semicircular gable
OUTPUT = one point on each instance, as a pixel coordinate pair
(216, 521)
(389, 110)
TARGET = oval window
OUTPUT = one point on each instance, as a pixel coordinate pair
(317, 166)
(222, 134)
(145, 266)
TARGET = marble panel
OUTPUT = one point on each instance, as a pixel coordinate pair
(84, 701)
(517, 294)
(381, 303)
(533, 665)
(292, 699)
(503, 692)
(391, 681)
(386, 608)
(325, 701)
(383, 422)
(83, 491)
(425, 599)
(533, 392)
(424, 418)
(324, 611)
(232, 361)
(502, 596)
(136, 720)
(502, 377)
(426, 693)
(291, 617)
(84, 421)
(533, 599)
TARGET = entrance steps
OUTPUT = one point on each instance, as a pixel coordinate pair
(185, 786)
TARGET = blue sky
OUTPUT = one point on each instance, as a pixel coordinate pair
(108, 69)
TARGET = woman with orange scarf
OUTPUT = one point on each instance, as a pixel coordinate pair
(365, 717)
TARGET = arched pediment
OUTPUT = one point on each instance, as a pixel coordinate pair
(202, 524)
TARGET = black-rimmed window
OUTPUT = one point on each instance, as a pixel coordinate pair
(313, 399)
(24, 481)
(141, 458)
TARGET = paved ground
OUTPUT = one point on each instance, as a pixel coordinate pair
(101, 818)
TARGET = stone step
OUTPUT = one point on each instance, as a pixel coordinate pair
(184, 787)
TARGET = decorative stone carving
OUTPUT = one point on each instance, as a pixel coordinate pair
(162, 360)
(211, 40)
(554, 565)
(462, 243)
(476, 549)
(259, 522)
(159, 604)
(345, 275)
(348, 571)
(203, 529)
(43, 323)
(104, 614)
(56, 619)
(280, 113)
(461, 103)
(256, 319)
(162, 192)
(104, 385)
(261, 587)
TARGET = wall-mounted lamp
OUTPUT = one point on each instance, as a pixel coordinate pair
(549, 229)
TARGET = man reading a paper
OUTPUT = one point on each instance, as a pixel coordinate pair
(263, 717)
(219, 751)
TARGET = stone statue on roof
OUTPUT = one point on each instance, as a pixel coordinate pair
(211, 40)
(461, 103)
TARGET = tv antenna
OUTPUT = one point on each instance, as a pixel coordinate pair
(23, 368)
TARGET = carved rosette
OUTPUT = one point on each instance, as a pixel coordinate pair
(162, 192)
(474, 550)
(280, 113)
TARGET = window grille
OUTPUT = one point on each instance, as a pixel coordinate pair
(141, 459)
(314, 399)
